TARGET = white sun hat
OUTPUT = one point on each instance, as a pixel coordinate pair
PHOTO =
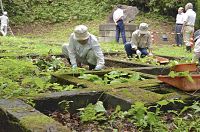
(143, 28)
(5, 13)
(81, 32)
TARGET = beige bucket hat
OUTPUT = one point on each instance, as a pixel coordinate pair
(81, 32)
(143, 28)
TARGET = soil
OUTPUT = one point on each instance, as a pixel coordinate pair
(73, 122)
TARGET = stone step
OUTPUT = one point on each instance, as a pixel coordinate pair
(112, 27)
(112, 33)
(17, 116)
(111, 39)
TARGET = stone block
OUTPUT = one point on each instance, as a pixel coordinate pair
(112, 34)
(112, 27)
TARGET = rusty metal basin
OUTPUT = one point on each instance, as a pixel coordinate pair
(185, 67)
(182, 82)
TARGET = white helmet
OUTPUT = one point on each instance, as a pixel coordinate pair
(5, 13)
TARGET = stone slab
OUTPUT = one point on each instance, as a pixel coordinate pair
(111, 39)
(112, 27)
(15, 110)
(113, 33)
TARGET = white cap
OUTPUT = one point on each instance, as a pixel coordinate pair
(81, 32)
(5, 13)
(188, 6)
(180, 8)
(143, 28)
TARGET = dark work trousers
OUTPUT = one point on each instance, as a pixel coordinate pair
(120, 29)
(178, 35)
(130, 51)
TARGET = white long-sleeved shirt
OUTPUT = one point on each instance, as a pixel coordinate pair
(190, 17)
(139, 41)
(197, 46)
(118, 14)
(4, 20)
(180, 18)
(77, 49)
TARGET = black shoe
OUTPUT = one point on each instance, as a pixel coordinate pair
(91, 67)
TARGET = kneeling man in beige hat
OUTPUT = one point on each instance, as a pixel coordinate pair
(83, 48)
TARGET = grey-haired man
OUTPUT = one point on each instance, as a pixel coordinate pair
(141, 41)
(188, 25)
(83, 48)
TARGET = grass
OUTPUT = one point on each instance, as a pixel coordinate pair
(17, 46)
(169, 50)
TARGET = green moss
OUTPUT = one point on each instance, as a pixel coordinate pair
(41, 123)
(36, 120)
(136, 94)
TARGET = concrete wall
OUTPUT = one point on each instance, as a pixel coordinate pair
(107, 32)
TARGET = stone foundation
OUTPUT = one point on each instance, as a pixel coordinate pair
(107, 32)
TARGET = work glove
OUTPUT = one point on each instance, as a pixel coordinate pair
(150, 54)
(99, 67)
(74, 66)
(138, 53)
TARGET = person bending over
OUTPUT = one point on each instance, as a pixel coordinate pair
(83, 48)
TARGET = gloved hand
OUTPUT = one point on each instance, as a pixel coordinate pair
(150, 54)
(99, 67)
(74, 66)
(138, 53)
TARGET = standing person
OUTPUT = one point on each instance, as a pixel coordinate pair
(4, 23)
(197, 47)
(140, 42)
(188, 25)
(118, 17)
(178, 27)
(83, 48)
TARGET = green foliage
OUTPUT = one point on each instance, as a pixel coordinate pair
(56, 11)
(22, 78)
(92, 112)
(144, 118)
(64, 105)
(186, 74)
(167, 7)
(113, 77)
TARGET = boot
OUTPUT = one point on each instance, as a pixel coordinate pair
(91, 67)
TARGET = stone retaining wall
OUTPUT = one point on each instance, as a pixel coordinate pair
(107, 32)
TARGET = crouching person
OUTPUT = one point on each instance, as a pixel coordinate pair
(83, 48)
(140, 42)
(197, 47)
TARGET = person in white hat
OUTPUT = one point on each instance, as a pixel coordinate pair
(196, 47)
(83, 48)
(188, 25)
(141, 41)
(4, 23)
(178, 26)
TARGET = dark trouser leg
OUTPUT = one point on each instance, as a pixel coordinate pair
(117, 33)
(143, 52)
(189, 48)
(199, 62)
(68, 61)
(129, 50)
(122, 30)
(91, 67)
(179, 36)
